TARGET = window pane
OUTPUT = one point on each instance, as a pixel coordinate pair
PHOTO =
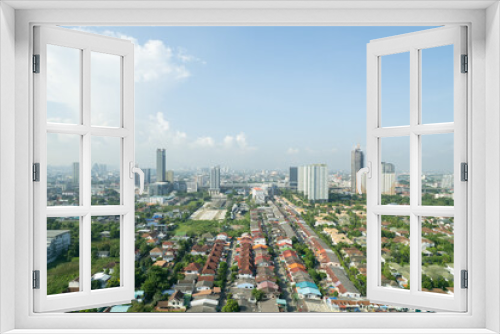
(437, 169)
(395, 89)
(105, 252)
(105, 89)
(437, 84)
(106, 162)
(437, 254)
(395, 251)
(395, 171)
(63, 84)
(63, 255)
(63, 169)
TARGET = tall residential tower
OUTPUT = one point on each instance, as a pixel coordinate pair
(313, 182)
(160, 165)
(357, 162)
(215, 180)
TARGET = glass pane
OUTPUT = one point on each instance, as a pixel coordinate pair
(106, 161)
(105, 89)
(63, 84)
(105, 252)
(63, 255)
(395, 171)
(437, 84)
(395, 89)
(63, 169)
(395, 252)
(437, 169)
(437, 254)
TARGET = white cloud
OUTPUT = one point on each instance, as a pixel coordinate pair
(292, 150)
(204, 142)
(154, 60)
(228, 141)
(162, 123)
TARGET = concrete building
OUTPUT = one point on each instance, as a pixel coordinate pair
(214, 180)
(294, 178)
(313, 182)
(159, 188)
(161, 165)
(147, 175)
(76, 173)
(58, 241)
(387, 179)
(357, 162)
(170, 176)
(192, 186)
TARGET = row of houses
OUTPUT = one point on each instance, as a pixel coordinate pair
(329, 262)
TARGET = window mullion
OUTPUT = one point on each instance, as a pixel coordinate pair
(414, 168)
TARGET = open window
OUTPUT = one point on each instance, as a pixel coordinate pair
(407, 128)
(84, 115)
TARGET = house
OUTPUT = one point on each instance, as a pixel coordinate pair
(426, 243)
(155, 253)
(308, 293)
(243, 283)
(185, 287)
(176, 300)
(169, 255)
(193, 268)
(208, 237)
(102, 278)
(204, 285)
(74, 285)
(401, 240)
(161, 264)
(102, 254)
(200, 250)
(222, 236)
(306, 284)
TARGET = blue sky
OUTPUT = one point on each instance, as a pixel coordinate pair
(270, 97)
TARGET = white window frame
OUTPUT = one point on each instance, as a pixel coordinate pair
(414, 43)
(484, 103)
(86, 43)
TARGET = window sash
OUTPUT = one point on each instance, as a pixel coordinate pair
(87, 43)
(413, 43)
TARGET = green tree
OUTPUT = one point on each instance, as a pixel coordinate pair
(231, 306)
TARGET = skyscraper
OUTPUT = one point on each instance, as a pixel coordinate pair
(76, 173)
(160, 165)
(294, 178)
(313, 182)
(214, 180)
(147, 175)
(357, 162)
(388, 179)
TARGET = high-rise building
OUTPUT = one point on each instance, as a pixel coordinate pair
(147, 175)
(357, 162)
(313, 182)
(160, 165)
(387, 179)
(76, 173)
(214, 180)
(294, 178)
(170, 176)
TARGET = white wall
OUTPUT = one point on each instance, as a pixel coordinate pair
(7, 160)
(492, 162)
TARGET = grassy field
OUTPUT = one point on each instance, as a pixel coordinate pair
(198, 227)
(60, 273)
(435, 271)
